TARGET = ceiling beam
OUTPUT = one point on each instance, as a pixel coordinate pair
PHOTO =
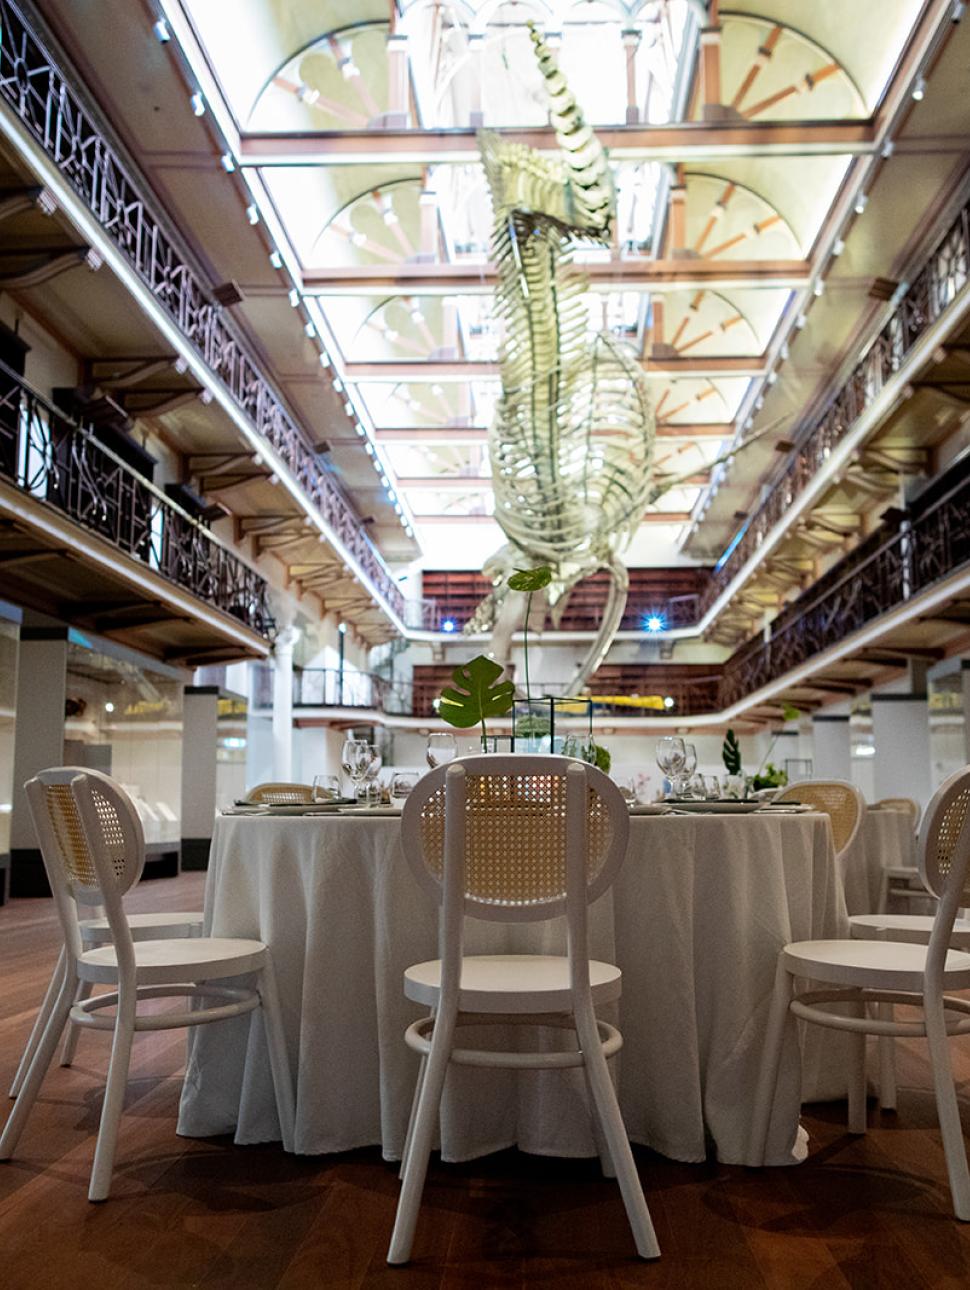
(456, 435)
(632, 274)
(462, 370)
(678, 142)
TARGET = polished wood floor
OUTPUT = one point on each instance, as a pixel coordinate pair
(862, 1212)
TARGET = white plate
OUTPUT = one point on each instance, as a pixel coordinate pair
(650, 808)
(370, 810)
(717, 808)
(302, 808)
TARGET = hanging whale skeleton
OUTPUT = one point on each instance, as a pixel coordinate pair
(572, 441)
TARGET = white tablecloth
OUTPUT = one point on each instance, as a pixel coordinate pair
(885, 839)
(695, 920)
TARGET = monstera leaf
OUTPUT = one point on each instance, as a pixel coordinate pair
(531, 579)
(731, 753)
(476, 694)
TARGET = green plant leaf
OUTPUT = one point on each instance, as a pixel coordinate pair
(474, 695)
(789, 712)
(531, 579)
(603, 759)
(731, 753)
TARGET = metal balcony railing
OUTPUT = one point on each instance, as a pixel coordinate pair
(39, 92)
(937, 284)
(62, 464)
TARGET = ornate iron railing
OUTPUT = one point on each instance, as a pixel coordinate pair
(62, 464)
(37, 90)
(924, 548)
(936, 285)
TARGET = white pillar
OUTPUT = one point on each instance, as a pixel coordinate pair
(38, 743)
(200, 714)
(832, 744)
(631, 42)
(396, 116)
(283, 704)
(476, 76)
(902, 765)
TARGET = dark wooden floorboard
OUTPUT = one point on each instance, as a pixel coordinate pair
(870, 1212)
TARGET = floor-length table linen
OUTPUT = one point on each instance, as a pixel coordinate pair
(695, 921)
(886, 839)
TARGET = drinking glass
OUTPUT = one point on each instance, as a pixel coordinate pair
(355, 757)
(627, 790)
(712, 789)
(326, 788)
(441, 749)
(401, 785)
(671, 755)
(368, 793)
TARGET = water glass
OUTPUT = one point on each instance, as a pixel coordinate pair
(401, 785)
(734, 787)
(326, 788)
(712, 789)
(441, 749)
(368, 793)
(355, 758)
(671, 755)
(627, 791)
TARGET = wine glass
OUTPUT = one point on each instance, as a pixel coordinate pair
(355, 758)
(401, 785)
(441, 749)
(326, 788)
(369, 789)
(686, 776)
(671, 755)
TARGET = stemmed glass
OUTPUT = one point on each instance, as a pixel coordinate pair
(369, 790)
(355, 757)
(441, 749)
(671, 755)
(687, 770)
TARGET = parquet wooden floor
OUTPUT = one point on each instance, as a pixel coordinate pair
(867, 1212)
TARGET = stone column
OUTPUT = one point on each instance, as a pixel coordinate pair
(200, 713)
(831, 755)
(902, 765)
(38, 743)
(283, 704)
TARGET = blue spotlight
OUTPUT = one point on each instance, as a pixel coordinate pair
(448, 625)
(654, 622)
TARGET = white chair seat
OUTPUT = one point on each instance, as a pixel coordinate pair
(519, 983)
(900, 928)
(884, 965)
(160, 926)
(190, 958)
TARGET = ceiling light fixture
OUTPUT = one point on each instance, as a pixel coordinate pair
(162, 33)
(310, 330)
(338, 385)
(275, 259)
(838, 246)
(252, 213)
(818, 288)
(198, 104)
(227, 163)
(348, 68)
(861, 202)
(771, 378)
(801, 321)
(919, 88)
(324, 358)
(294, 297)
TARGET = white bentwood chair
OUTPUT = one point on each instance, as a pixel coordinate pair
(96, 931)
(860, 972)
(840, 801)
(515, 839)
(94, 850)
(281, 794)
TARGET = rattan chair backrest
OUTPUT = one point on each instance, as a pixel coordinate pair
(281, 794)
(65, 848)
(515, 834)
(907, 804)
(944, 840)
(841, 802)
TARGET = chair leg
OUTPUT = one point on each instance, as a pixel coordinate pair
(419, 1149)
(114, 1095)
(887, 1061)
(40, 1021)
(614, 1131)
(422, 1070)
(278, 1056)
(857, 1074)
(948, 1109)
(602, 1147)
(39, 1063)
(74, 1032)
(882, 905)
(770, 1064)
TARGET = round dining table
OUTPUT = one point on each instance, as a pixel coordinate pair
(886, 840)
(695, 920)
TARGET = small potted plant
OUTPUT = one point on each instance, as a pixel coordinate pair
(733, 782)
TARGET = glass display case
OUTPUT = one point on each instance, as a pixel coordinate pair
(124, 718)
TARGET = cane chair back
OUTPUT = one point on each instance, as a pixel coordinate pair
(840, 801)
(515, 835)
(944, 841)
(906, 804)
(281, 794)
